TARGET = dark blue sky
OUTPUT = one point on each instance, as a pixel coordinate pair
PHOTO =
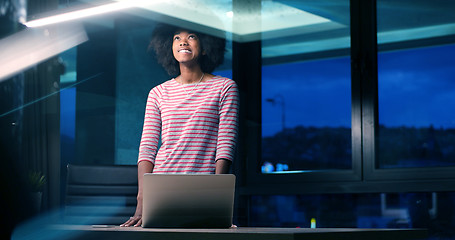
(316, 93)
(416, 88)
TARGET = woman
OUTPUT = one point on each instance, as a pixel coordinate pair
(195, 113)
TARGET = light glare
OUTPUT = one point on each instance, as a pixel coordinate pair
(34, 45)
(77, 14)
(230, 14)
(88, 12)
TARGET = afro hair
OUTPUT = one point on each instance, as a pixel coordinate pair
(161, 44)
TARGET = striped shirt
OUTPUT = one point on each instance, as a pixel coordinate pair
(198, 126)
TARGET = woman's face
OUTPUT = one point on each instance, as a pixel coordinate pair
(186, 47)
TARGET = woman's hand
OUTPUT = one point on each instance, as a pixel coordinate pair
(135, 220)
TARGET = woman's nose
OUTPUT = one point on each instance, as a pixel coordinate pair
(183, 43)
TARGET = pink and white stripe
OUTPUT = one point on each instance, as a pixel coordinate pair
(196, 129)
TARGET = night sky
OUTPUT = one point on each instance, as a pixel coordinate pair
(416, 89)
(316, 93)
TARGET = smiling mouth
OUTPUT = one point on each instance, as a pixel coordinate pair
(185, 51)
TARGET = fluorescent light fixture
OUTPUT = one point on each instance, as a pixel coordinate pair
(78, 14)
(88, 12)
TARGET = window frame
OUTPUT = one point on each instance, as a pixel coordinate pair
(364, 177)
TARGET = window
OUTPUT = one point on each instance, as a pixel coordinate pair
(397, 131)
(416, 88)
(415, 85)
(306, 116)
(306, 95)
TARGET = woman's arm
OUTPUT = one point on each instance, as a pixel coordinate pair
(142, 168)
(228, 126)
(222, 166)
(147, 152)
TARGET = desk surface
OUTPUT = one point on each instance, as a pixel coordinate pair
(115, 232)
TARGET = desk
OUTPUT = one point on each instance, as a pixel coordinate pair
(240, 233)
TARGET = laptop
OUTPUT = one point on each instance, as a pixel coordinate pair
(188, 200)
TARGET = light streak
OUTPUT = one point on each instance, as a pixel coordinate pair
(88, 12)
(49, 95)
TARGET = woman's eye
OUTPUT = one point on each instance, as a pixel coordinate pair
(177, 38)
(192, 37)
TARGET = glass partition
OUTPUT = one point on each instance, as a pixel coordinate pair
(105, 87)
(108, 76)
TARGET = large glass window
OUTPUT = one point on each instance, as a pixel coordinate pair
(416, 88)
(306, 95)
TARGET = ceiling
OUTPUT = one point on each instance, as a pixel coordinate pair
(288, 27)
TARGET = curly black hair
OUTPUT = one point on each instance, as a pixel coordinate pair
(161, 44)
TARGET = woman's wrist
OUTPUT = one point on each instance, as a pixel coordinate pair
(222, 166)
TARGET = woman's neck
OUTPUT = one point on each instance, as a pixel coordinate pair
(188, 76)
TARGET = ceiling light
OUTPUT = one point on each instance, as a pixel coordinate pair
(77, 14)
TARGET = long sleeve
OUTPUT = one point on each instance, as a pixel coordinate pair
(228, 125)
(151, 130)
